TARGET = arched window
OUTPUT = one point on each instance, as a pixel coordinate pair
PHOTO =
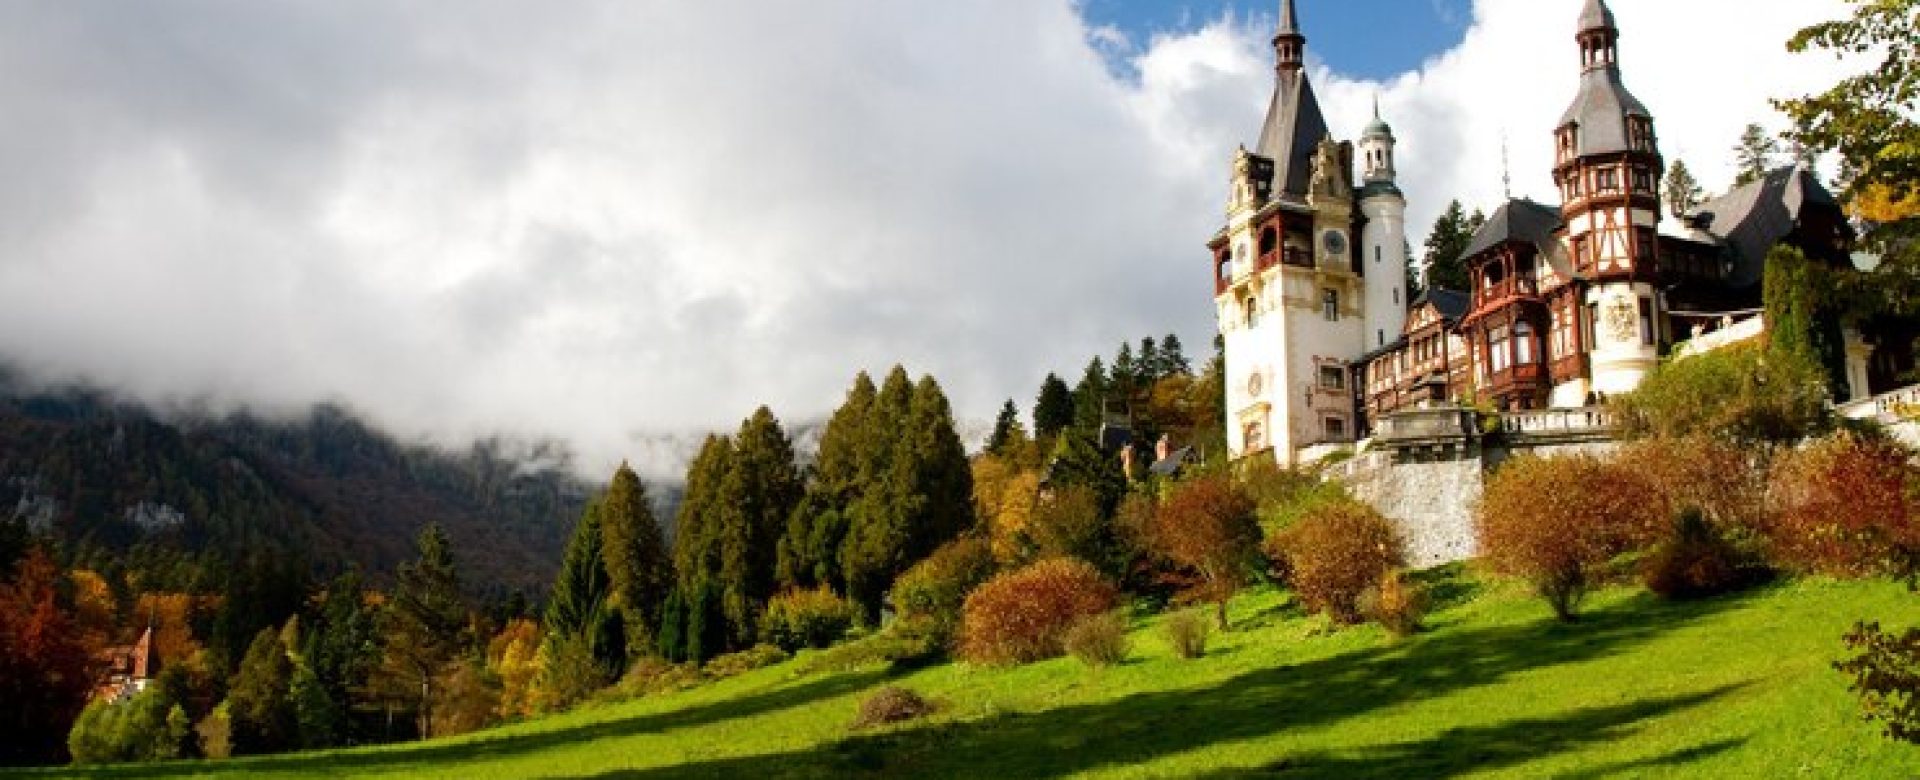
(1252, 312)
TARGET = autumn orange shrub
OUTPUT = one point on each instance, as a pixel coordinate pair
(1556, 521)
(1336, 552)
(1207, 526)
(1397, 603)
(1845, 505)
(1717, 492)
(1023, 615)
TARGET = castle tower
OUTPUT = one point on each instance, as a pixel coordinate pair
(1383, 245)
(1608, 167)
(1290, 291)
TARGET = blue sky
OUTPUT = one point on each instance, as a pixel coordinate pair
(1372, 39)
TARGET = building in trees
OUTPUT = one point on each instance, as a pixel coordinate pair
(1309, 271)
(127, 669)
(1565, 304)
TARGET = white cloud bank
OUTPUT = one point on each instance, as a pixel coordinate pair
(603, 221)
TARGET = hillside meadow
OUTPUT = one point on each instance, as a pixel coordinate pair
(1735, 686)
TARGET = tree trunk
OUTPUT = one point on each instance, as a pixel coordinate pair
(1220, 613)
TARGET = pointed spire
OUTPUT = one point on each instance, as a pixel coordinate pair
(1597, 16)
(1289, 45)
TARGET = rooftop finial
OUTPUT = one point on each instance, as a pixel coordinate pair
(1506, 169)
(1289, 21)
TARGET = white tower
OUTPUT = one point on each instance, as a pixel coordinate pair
(1383, 241)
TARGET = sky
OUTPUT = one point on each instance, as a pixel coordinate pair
(621, 224)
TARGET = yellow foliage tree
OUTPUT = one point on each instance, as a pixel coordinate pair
(514, 656)
(1004, 495)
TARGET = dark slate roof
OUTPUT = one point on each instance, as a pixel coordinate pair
(1753, 217)
(1170, 465)
(1452, 304)
(1519, 220)
(1293, 130)
(1596, 15)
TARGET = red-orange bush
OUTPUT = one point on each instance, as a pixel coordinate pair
(1207, 526)
(1338, 551)
(1555, 521)
(1845, 505)
(1023, 615)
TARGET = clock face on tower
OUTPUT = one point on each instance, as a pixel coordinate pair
(1334, 241)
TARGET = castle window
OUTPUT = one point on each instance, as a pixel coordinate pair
(1268, 241)
(1593, 320)
(1253, 313)
(1330, 304)
(1642, 180)
(1376, 254)
(1396, 296)
(1336, 428)
(1332, 378)
(1497, 349)
(1646, 322)
(1379, 337)
(1523, 344)
(1606, 180)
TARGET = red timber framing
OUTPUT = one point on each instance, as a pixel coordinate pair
(1508, 328)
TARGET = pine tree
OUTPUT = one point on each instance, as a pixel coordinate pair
(881, 432)
(761, 491)
(341, 652)
(1077, 460)
(1053, 408)
(639, 567)
(706, 623)
(672, 638)
(1447, 246)
(1090, 397)
(1682, 191)
(1006, 429)
(1753, 155)
(1173, 361)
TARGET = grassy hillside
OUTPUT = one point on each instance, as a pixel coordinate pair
(1733, 687)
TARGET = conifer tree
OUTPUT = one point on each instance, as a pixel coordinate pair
(837, 468)
(672, 638)
(810, 547)
(1173, 360)
(341, 652)
(1127, 375)
(580, 609)
(263, 717)
(639, 568)
(924, 499)
(1090, 397)
(1447, 246)
(1152, 368)
(1052, 409)
(881, 431)
(1753, 155)
(696, 548)
(761, 490)
(425, 624)
(1006, 428)
(1682, 191)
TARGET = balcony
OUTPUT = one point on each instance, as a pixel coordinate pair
(1559, 426)
(1499, 292)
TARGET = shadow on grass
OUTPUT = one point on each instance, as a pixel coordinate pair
(1267, 702)
(481, 747)
(1508, 744)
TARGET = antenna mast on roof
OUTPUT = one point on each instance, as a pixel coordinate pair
(1506, 169)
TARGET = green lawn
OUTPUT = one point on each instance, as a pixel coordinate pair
(1737, 687)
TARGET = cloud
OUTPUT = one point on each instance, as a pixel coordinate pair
(613, 222)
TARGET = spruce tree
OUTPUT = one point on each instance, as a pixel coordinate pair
(837, 468)
(761, 490)
(263, 717)
(1173, 361)
(671, 639)
(1005, 428)
(639, 567)
(1682, 191)
(696, 548)
(1090, 397)
(942, 476)
(1127, 375)
(1052, 408)
(425, 623)
(1446, 248)
(1152, 368)
(579, 609)
(1753, 155)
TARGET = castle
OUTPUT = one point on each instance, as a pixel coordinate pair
(1568, 304)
